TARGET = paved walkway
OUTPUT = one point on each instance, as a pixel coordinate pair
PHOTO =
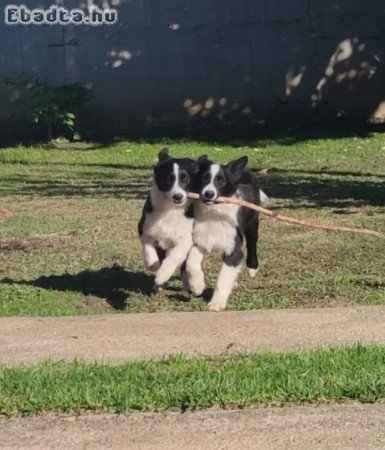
(115, 338)
(350, 426)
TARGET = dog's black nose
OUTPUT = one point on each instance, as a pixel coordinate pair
(209, 195)
(177, 197)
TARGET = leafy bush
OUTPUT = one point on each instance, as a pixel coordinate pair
(53, 105)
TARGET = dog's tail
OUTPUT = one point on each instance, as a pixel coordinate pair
(263, 197)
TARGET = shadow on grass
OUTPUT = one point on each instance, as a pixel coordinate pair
(328, 172)
(283, 133)
(133, 187)
(114, 284)
(323, 188)
(123, 166)
(313, 187)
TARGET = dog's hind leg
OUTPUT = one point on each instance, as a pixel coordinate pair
(227, 278)
(161, 254)
(251, 234)
(196, 279)
(184, 278)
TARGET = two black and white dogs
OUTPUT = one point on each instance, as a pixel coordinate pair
(175, 232)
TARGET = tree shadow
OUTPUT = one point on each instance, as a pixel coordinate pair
(114, 284)
(286, 135)
(259, 136)
(323, 192)
(326, 171)
(133, 187)
(122, 166)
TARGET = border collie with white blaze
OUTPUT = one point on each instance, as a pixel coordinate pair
(222, 227)
(165, 228)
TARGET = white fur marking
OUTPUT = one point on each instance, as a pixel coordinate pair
(176, 188)
(263, 197)
(214, 169)
(149, 254)
(252, 272)
(194, 271)
(227, 278)
(215, 227)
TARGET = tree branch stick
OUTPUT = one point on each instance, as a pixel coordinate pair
(273, 215)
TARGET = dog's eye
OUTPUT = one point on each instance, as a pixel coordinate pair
(184, 178)
(171, 178)
(220, 180)
(206, 177)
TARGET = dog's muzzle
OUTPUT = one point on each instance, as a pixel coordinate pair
(178, 198)
(208, 197)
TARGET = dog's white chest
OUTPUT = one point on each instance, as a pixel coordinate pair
(215, 228)
(169, 227)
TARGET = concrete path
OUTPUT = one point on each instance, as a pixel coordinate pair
(115, 338)
(351, 426)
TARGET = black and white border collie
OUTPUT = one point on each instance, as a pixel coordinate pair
(165, 228)
(223, 227)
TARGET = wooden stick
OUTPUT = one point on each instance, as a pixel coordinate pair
(277, 216)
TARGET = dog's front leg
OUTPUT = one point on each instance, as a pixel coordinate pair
(226, 280)
(149, 254)
(195, 276)
(173, 260)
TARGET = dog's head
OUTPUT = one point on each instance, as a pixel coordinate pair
(216, 180)
(175, 177)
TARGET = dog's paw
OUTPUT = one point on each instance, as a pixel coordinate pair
(197, 288)
(159, 288)
(198, 293)
(216, 307)
(218, 302)
(153, 267)
(252, 272)
(161, 278)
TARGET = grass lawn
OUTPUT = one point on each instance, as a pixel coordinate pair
(71, 245)
(337, 374)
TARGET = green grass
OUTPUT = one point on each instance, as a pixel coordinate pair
(338, 374)
(83, 202)
(21, 300)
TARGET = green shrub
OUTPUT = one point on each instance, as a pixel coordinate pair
(54, 106)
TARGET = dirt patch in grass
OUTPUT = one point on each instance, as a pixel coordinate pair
(27, 245)
(5, 213)
(35, 242)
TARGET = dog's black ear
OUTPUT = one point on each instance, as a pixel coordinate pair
(194, 167)
(163, 155)
(203, 162)
(236, 167)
